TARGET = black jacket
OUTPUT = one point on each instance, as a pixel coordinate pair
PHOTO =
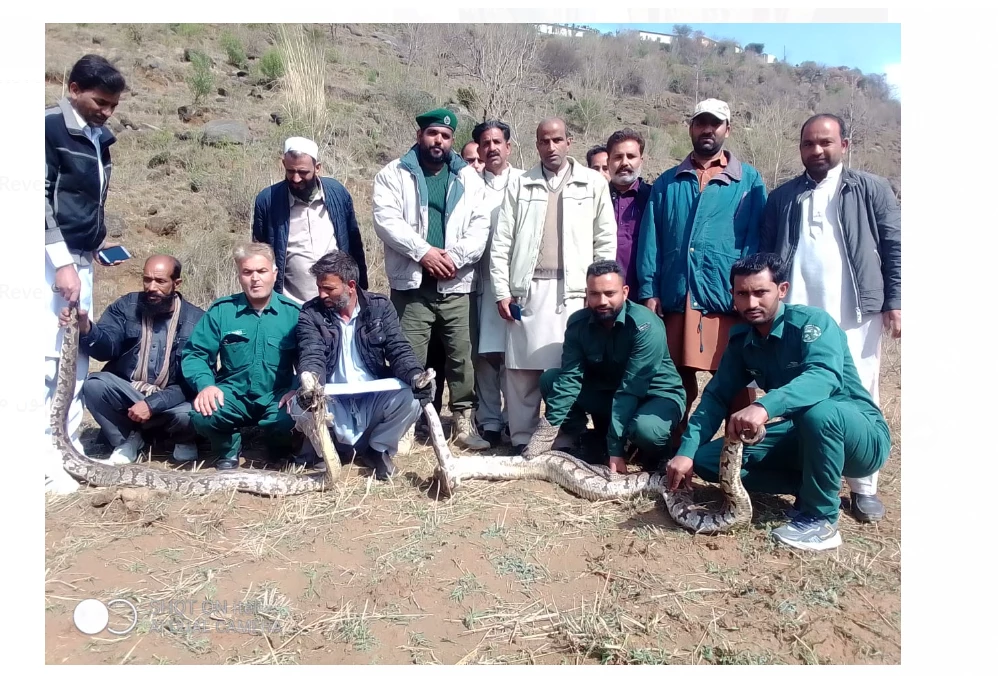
(74, 201)
(870, 217)
(382, 346)
(115, 339)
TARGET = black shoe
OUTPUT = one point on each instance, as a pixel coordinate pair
(227, 463)
(519, 449)
(493, 437)
(866, 508)
(380, 462)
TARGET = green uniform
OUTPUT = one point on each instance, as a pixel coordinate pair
(831, 427)
(258, 352)
(622, 376)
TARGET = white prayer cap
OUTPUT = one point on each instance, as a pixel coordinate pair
(299, 144)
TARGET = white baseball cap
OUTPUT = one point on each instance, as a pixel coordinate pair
(715, 107)
(300, 144)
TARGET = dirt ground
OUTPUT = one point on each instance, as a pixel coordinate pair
(501, 573)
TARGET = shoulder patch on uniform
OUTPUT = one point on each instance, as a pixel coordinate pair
(811, 333)
(644, 327)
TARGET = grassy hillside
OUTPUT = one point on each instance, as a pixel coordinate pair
(356, 89)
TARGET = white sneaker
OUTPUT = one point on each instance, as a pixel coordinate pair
(128, 452)
(61, 482)
(185, 452)
(407, 441)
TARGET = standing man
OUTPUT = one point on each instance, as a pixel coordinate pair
(428, 211)
(556, 219)
(302, 218)
(252, 334)
(839, 231)
(141, 389)
(470, 154)
(629, 194)
(77, 176)
(702, 216)
(348, 336)
(597, 160)
(493, 139)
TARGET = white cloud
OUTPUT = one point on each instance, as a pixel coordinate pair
(893, 73)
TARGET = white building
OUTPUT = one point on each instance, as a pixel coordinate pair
(663, 38)
(769, 58)
(563, 30)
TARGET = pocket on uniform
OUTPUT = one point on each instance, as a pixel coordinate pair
(235, 352)
(281, 351)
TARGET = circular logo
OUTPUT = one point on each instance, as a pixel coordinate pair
(447, 119)
(811, 333)
(90, 616)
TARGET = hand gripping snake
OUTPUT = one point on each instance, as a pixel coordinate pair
(590, 482)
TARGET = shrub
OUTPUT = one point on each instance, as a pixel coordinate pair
(234, 50)
(272, 64)
(201, 81)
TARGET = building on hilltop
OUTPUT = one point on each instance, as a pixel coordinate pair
(663, 38)
(570, 31)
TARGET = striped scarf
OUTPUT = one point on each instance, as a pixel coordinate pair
(140, 377)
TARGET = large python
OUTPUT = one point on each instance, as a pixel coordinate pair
(596, 482)
(592, 482)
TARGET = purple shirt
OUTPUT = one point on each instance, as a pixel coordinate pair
(628, 215)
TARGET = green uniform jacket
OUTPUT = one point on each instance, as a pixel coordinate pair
(804, 361)
(257, 351)
(631, 360)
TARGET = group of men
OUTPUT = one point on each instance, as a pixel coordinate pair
(586, 290)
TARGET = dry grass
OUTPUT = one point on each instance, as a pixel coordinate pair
(303, 86)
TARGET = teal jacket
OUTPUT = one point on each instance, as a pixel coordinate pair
(804, 361)
(688, 241)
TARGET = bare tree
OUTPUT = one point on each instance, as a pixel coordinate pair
(768, 144)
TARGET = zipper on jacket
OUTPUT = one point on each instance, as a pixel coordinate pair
(849, 263)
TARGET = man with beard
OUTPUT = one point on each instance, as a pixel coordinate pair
(77, 180)
(839, 230)
(830, 425)
(428, 211)
(615, 367)
(348, 336)
(251, 335)
(493, 139)
(140, 389)
(629, 194)
(702, 216)
(303, 217)
(555, 220)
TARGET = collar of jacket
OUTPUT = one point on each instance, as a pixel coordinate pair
(732, 172)
(107, 137)
(410, 162)
(808, 184)
(536, 174)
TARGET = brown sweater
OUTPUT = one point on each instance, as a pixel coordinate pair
(550, 260)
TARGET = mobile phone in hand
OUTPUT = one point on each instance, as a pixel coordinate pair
(514, 311)
(113, 254)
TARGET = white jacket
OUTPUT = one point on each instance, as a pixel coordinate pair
(590, 230)
(401, 220)
(492, 327)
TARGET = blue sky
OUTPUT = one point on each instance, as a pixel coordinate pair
(871, 47)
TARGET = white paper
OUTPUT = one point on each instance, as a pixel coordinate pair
(380, 385)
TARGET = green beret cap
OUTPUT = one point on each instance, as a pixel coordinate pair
(441, 116)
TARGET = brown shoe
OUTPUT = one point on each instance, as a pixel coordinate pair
(464, 434)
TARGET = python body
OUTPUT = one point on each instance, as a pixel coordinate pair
(585, 480)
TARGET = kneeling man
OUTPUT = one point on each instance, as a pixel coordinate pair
(615, 366)
(140, 389)
(348, 336)
(252, 336)
(831, 427)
